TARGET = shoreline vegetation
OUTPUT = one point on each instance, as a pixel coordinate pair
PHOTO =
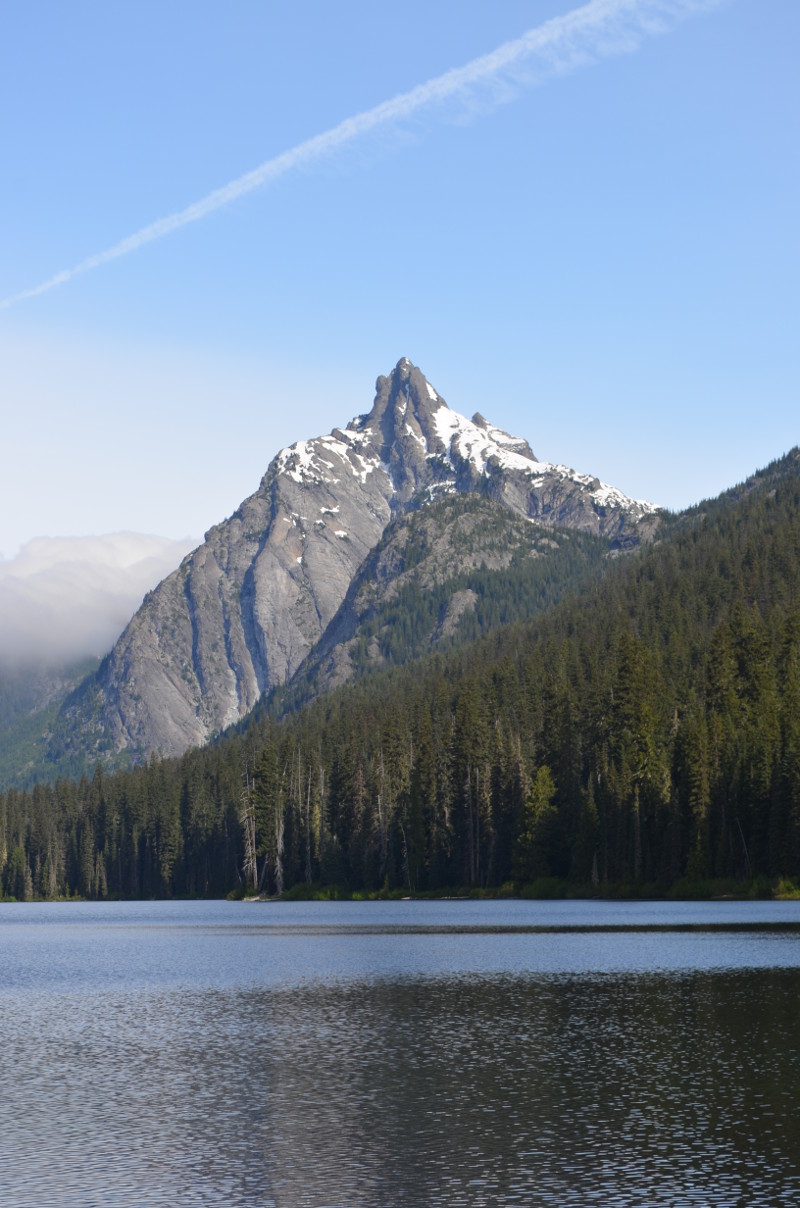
(548, 889)
(544, 889)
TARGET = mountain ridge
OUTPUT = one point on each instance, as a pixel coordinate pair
(438, 576)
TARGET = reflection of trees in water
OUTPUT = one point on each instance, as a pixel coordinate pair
(468, 1090)
(426, 1092)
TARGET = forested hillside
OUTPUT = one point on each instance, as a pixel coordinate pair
(31, 694)
(441, 576)
(644, 732)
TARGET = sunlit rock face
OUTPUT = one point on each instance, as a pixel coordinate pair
(247, 606)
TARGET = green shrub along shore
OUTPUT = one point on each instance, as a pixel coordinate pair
(543, 889)
(548, 889)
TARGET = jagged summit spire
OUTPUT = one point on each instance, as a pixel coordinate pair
(415, 444)
(407, 378)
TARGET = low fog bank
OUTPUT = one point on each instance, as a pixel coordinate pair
(67, 598)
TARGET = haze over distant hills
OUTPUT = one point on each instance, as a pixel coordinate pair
(63, 603)
(68, 598)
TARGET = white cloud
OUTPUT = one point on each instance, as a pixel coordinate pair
(596, 30)
(63, 598)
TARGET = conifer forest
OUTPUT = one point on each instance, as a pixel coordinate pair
(639, 737)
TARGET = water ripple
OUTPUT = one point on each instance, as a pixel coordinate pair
(476, 1086)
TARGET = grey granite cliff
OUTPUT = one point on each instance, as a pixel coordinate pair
(243, 611)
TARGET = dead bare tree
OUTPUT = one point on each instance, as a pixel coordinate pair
(247, 818)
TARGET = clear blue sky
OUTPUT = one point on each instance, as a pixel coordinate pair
(603, 259)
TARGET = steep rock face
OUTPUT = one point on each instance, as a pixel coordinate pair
(244, 609)
(422, 577)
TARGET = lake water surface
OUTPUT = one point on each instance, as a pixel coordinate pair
(356, 1055)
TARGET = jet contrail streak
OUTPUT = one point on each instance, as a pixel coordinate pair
(596, 30)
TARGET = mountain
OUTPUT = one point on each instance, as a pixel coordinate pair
(245, 609)
(63, 602)
(442, 575)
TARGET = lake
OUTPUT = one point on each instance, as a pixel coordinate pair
(356, 1055)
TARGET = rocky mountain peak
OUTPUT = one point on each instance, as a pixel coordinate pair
(403, 429)
(243, 611)
(426, 446)
(404, 396)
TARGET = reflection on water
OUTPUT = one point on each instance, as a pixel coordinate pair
(341, 1070)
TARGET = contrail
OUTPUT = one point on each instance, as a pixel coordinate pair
(596, 30)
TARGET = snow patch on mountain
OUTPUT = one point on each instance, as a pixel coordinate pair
(487, 448)
(481, 445)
